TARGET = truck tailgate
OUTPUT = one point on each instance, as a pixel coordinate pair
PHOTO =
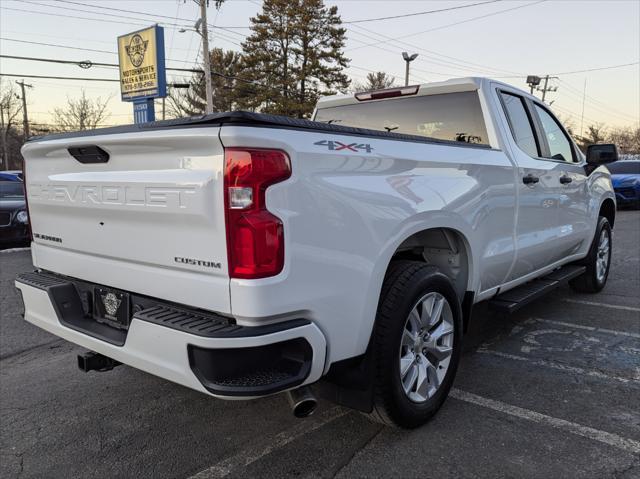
(148, 220)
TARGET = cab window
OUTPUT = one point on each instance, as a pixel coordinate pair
(559, 144)
(446, 116)
(520, 124)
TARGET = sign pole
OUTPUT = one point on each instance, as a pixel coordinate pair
(143, 111)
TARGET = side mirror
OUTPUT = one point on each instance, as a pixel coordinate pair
(602, 154)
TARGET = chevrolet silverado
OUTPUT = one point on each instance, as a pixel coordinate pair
(244, 254)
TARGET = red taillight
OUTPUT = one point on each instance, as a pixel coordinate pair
(255, 237)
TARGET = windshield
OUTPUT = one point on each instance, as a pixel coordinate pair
(624, 168)
(11, 190)
(447, 116)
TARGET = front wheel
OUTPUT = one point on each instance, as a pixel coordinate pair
(598, 261)
(418, 337)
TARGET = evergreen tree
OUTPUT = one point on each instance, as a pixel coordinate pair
(295, 52)
(192, 101)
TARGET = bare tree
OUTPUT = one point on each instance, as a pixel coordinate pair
(595, 133)
(82, 113)
(374, 81)
(10, 108)
(627, 139)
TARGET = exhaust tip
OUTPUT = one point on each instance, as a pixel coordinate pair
(305, 408)
(303, 402)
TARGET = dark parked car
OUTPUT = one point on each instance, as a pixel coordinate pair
(14, 220)
(625, 176)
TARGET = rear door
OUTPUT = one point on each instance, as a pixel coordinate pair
(537, 184)
(149, 219)
(573, 198)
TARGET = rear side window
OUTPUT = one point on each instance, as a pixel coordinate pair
(559, 144)
(447, 116)
(520, 124)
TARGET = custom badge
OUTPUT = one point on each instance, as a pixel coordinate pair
(136, 50)
(111, 303)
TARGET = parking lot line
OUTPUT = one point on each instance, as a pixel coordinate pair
(591, 433)
(604, 305)
(558, 366)
(588, 328)
(250, 455)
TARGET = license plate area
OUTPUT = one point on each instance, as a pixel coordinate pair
(111, 307)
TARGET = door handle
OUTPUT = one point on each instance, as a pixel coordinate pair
(530, 179)
(565, 180)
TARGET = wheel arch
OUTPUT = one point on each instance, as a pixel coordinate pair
(445, 247)
(608, 210)
(407, 243)
(349, 382)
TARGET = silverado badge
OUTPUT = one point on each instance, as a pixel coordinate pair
(111, 303)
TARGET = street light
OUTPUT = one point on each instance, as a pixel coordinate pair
(533, 81)
(408, 58)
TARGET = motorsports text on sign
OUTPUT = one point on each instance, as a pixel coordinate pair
(142, 64)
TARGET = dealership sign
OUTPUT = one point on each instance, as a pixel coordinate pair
(142, 70)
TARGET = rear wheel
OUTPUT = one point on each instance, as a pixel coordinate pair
(417, 344)
(598, 261)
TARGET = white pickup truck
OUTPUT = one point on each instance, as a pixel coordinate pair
(243, 254)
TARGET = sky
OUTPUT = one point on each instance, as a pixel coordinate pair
(503, 39)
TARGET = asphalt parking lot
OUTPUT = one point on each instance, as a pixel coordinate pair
(553, 391)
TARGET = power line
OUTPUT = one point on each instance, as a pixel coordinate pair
(458, 62)
(103, 51)
(48, 5)
(144, 13)
(59, 77)
(69, 47)
(51, 77)
(415, 14)
(605, 106)
(104, 20)
(169, 25)
(597, 69)
(585, 71)
(437, 61)
(87, 63)
(441, 27)
(595, 104)
(58, 46)
(168, 59)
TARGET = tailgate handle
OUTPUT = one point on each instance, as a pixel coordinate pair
(89, 154)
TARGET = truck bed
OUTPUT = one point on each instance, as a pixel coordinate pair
(247, 118)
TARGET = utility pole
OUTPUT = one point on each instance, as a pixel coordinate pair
(408, 59)
(547, 88)
(25, 117)
(204, 33)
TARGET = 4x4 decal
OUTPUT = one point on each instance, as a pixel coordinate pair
(338, 145)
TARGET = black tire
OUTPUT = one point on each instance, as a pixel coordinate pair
(589, 281)
(405, 284)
